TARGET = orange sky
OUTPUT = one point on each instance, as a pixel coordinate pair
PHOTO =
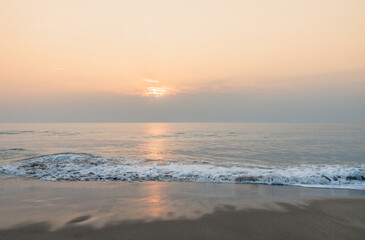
(51, 47)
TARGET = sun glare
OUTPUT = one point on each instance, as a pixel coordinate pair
(156, 91)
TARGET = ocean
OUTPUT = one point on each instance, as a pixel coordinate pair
(302, 154)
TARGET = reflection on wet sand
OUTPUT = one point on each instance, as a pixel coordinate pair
(156, 203)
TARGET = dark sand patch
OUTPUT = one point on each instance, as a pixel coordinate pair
(79, 219)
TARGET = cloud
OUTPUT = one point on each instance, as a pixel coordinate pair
(150, 80)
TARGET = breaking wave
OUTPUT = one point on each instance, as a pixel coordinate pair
(83, 167)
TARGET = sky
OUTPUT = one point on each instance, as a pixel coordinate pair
(177, 61)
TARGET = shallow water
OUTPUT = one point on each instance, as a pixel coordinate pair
(327, 155)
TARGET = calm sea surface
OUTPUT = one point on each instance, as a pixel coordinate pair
(225, 146)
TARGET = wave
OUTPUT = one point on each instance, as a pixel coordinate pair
(13, 132)
(12, 149)
(45, 133)
(83, 167)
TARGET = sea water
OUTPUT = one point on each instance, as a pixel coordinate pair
(305, 154)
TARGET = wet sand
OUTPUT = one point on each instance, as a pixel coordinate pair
(321, 219)
(32, 209)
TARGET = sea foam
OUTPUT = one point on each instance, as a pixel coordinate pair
(83, 167)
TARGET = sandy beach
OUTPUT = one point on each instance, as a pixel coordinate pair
(33, 209)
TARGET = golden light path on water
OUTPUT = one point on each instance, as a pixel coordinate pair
(154, 148)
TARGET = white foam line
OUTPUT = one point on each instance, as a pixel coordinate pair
(74, 167)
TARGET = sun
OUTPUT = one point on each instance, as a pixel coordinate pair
(156, 91)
